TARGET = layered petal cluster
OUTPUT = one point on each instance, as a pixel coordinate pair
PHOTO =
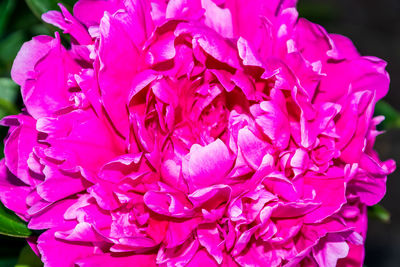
(194, 133)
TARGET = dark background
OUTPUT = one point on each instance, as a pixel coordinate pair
(374, 27)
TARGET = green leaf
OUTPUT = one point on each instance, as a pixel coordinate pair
(8, 89)
(12, 225)
(39, 7)
(392, 116)
(6, 9)
(9, 46)
(7, 262)
(27, 258)
(8, 96)
(380, 213)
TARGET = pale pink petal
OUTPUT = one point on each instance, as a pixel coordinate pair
(330, 249)
(207, 165)
(209, 238)
(219, 19)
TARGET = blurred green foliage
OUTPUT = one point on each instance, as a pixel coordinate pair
(392, 116)
(39, 7)
(379, 213)
(27, 258)
(8, 97)
(17, 25)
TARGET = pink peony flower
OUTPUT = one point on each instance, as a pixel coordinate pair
(193, 133)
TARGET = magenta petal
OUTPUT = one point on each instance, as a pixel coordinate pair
(178, 256)
(258, 254)
(281, 186)
(254, 13)
(202, 258)
(179, 232)
(294, 209)
(49, 72)
(345, 47)
(18, 148)
(87, 82)
(207, 165)
(12, 195)
(209, 238)
(104, 195)
(82, 232)
(52, 216)
(213, 44)
(141, 21)
(247, 53)
(219, 19)
(31, 52)
(115, 51)
(330, 249)
(370, 189)
(253, 148)
(194, 132)
(330, 193)
(87, 138)
(120, 167)
(68, 23)
(243, 240)
(214, 195)
(183, 9)
(97, 8)
(59, 186)
(133, 243)
(355, 257)
(141, 260)
(166, 204)
(55, 252)
(274, 123)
